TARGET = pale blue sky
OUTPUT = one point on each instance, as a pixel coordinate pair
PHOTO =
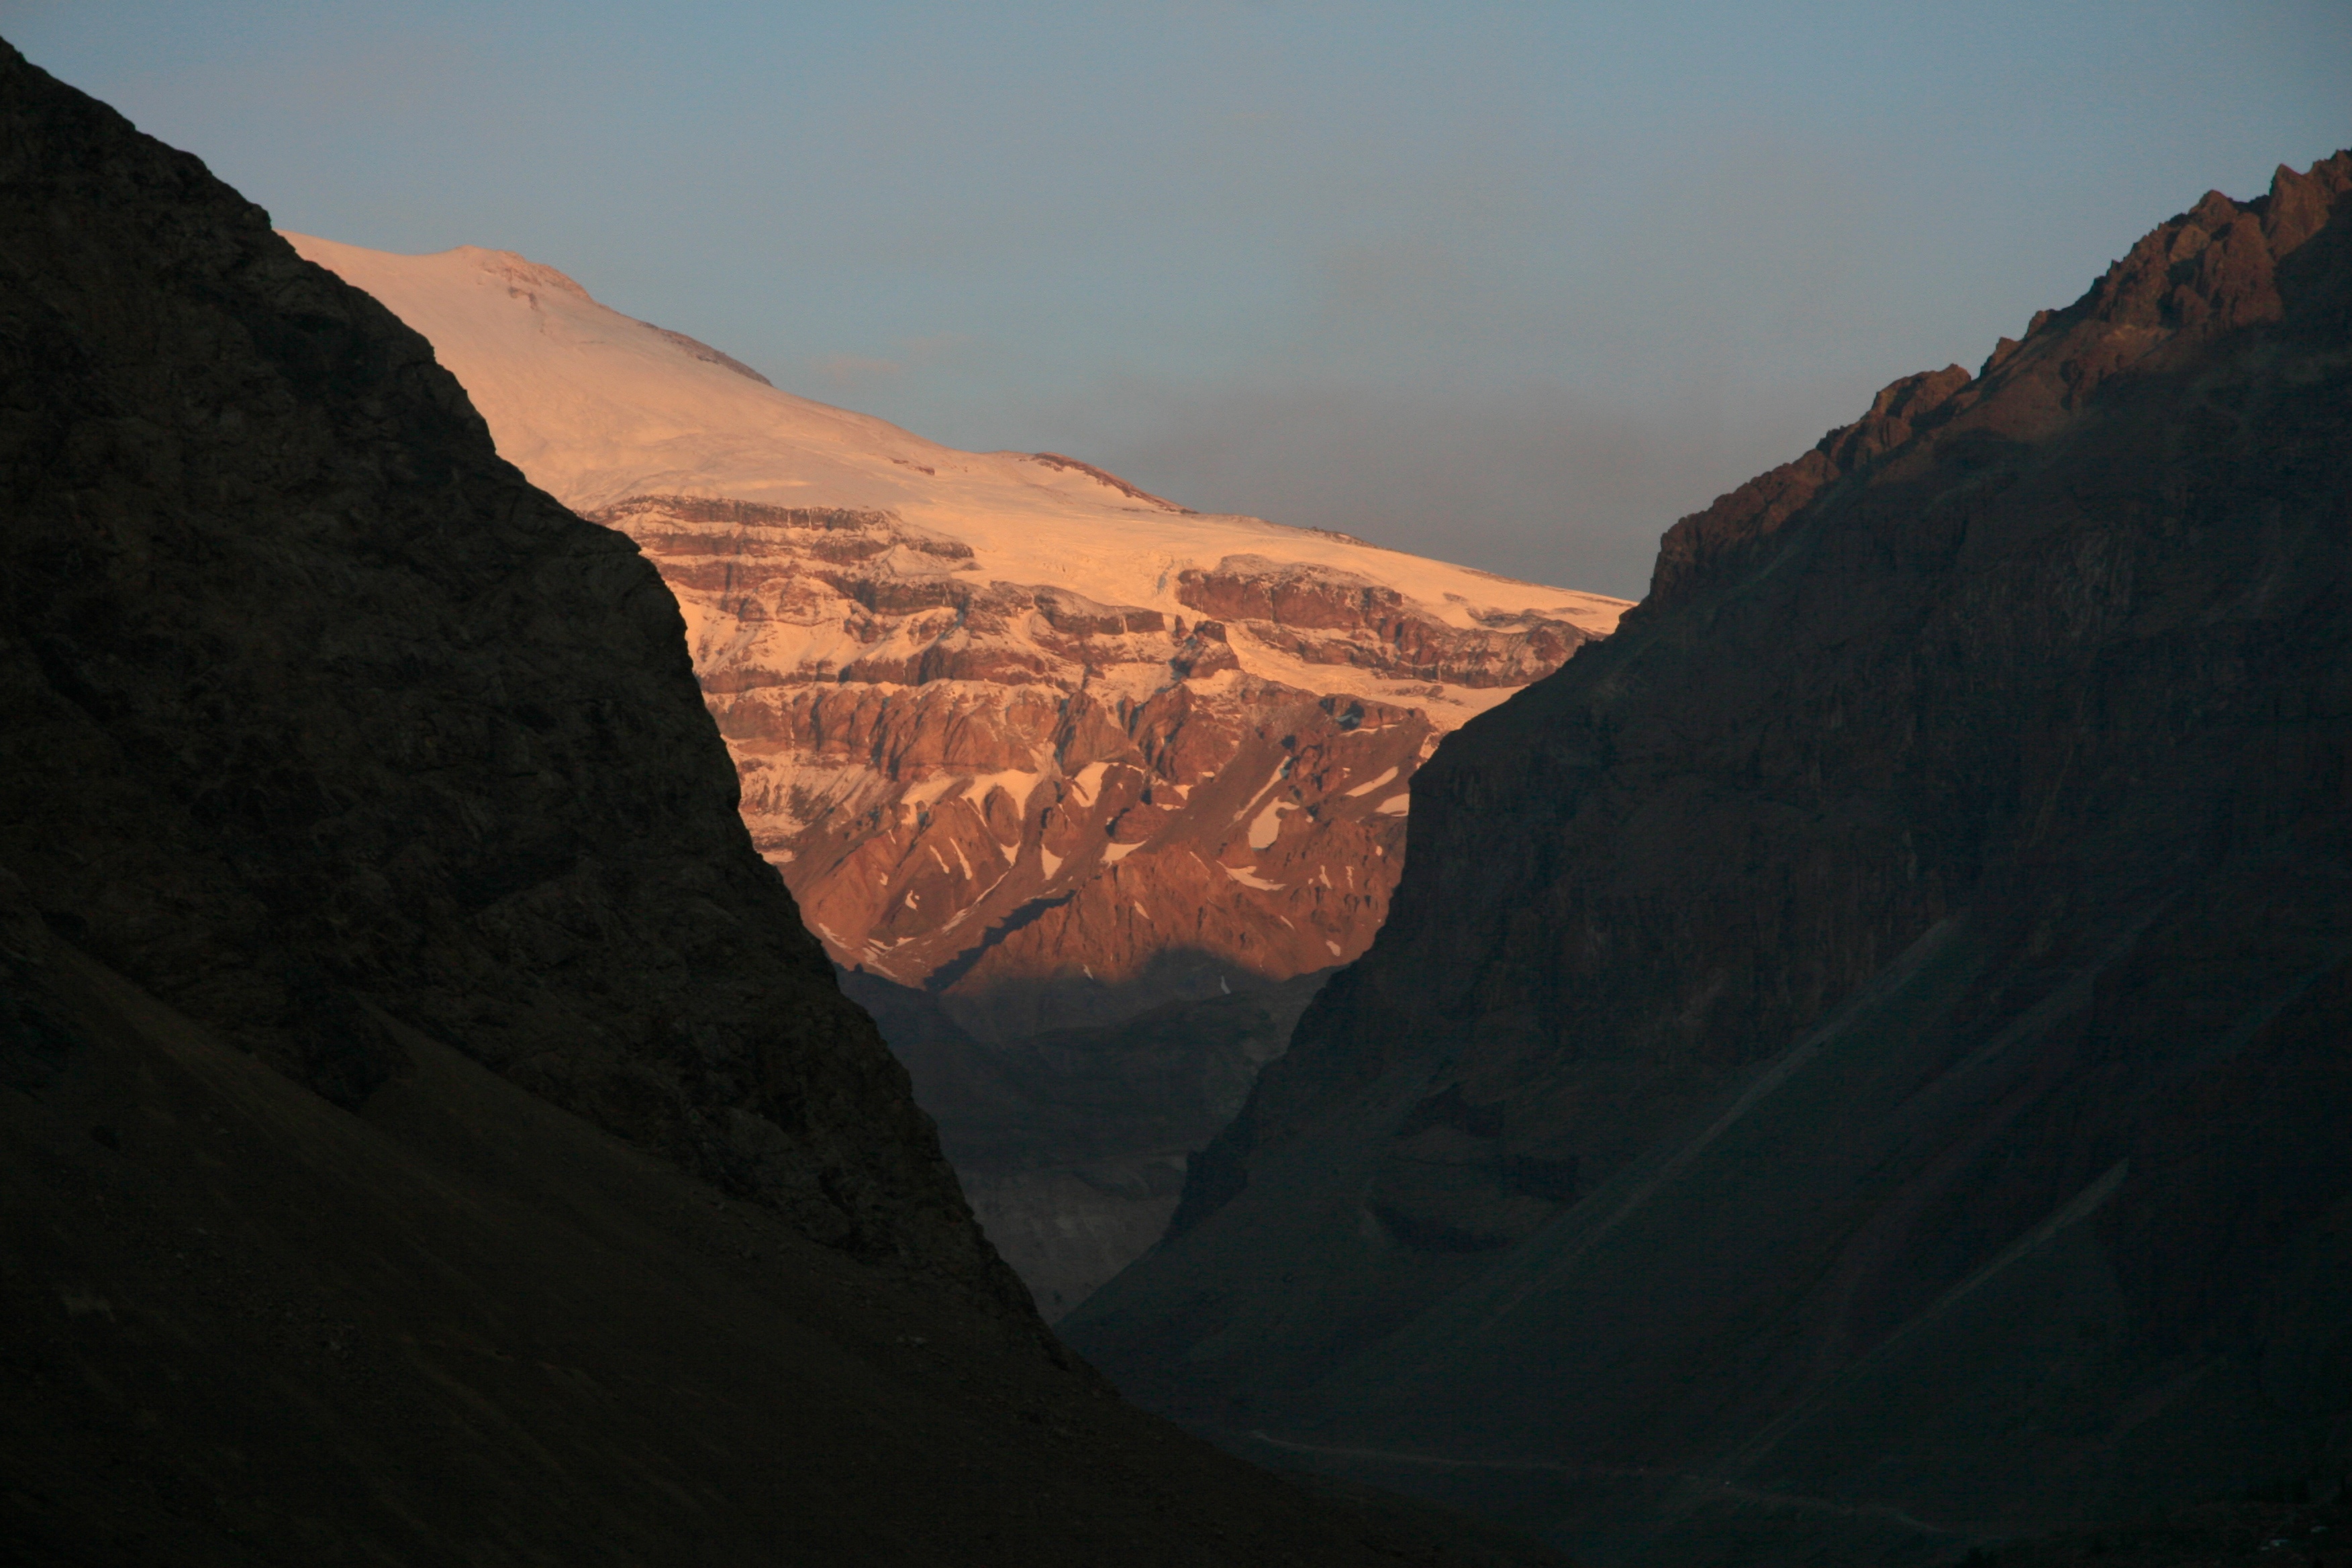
(1513, 284)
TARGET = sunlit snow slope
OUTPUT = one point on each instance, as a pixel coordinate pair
(1010, 726)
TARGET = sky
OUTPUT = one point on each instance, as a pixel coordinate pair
(1514, 285)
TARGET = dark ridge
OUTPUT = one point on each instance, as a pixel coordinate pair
(316, 710)
(1028, 914)
(1879, 1016)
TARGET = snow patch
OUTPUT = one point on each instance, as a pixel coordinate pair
(1250, 880)
(1018, 785)
(931, 790)
(1088, 784)
(1259, 793)
(1369, 785)
(1264, 831)
(1396, 804)
(596, 406)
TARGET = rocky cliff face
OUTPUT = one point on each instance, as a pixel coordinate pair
(1052, 810)
(1852, 1063)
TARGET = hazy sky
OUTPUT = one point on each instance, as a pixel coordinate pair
(1513, 284)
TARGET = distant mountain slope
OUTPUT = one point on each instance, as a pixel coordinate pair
(1020, 735)
(1010, 726)
(1857, 1064)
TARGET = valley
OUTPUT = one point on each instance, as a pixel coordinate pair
(603, 963)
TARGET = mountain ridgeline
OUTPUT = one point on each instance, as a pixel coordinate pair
(1856, 1064)
(427, 1133)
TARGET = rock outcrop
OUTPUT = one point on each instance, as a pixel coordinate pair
(1052, 811)
(360, 822)
(1855, 1064)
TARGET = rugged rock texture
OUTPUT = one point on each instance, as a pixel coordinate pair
(1856, 1065)
(1054, 811)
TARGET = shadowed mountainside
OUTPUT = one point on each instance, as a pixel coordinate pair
(1072, 1145)
(245, 1326)
(1856, 1061)
(316, 710)
(426, 1133)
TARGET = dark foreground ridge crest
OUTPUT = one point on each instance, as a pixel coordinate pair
(1853, 1071)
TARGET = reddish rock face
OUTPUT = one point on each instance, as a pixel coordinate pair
(1058, 812)
(1012, 729)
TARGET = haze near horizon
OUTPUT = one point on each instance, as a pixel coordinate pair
(1511, 286)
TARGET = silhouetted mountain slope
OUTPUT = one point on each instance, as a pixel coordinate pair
(1859, 1057)
(244, 1326)
(328, 746)
(315, 707)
